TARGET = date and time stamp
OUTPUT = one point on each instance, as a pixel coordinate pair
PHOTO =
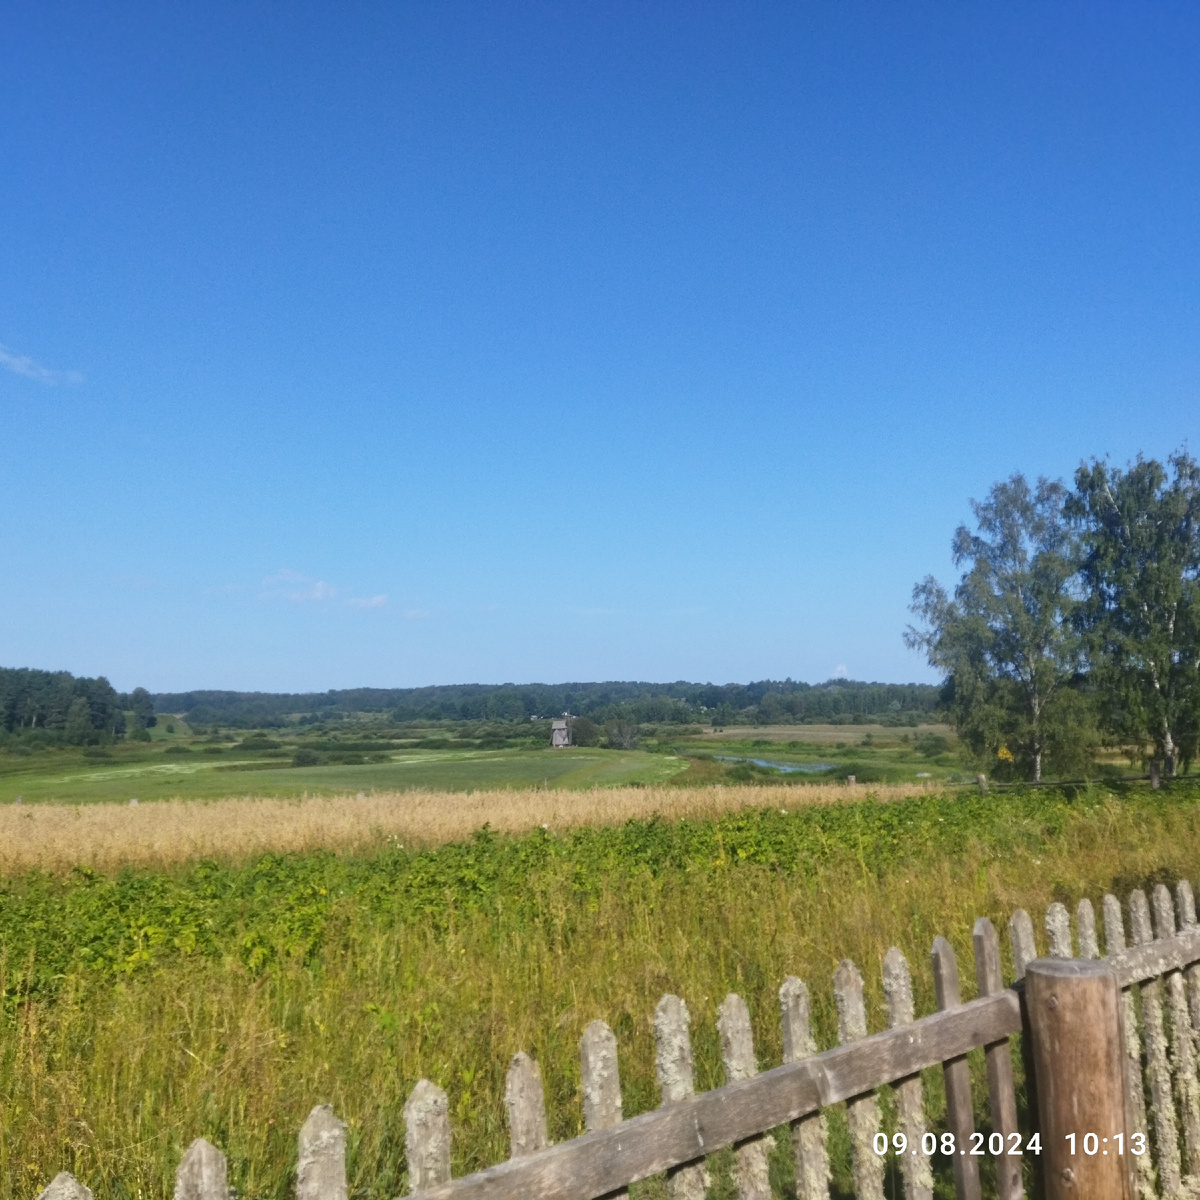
(995, 1145)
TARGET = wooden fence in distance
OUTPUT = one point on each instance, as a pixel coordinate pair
(1110, 1050)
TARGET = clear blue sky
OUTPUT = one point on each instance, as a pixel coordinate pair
(389, 344)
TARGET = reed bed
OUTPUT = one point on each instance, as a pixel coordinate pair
(105, 837)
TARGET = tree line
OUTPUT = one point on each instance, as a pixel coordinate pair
(763, 702)
(1076, 622)
(56, 706)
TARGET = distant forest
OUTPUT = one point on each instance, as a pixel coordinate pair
(765, 702)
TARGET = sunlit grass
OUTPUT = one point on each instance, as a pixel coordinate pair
(112, 1076)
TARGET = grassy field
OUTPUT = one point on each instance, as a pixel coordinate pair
(146, 1006)
(149, 774)
(378, 757)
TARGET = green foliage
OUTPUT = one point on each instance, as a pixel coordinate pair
(280, 906)
(766, 701)
(1141, 564)
(141, 704)
(584, 732)
(1005, 641)
(304, 757)
(622, 735)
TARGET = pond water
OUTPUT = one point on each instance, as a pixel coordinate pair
(807, 768)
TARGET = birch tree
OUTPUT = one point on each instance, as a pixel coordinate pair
(1005, 642)
(1140, 531)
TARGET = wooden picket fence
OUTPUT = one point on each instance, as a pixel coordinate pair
(1110, 1048)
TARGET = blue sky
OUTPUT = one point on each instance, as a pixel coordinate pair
(391, 344)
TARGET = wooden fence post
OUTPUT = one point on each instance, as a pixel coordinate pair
(202, 1173)
(427, 1136)
(1074, 1008)
(917, 1169)
(525, 1100)
(862, 1113)
(321, 1164)
(959, 1115)
(808, 1133)
(1158, 1070)
(1002, 1093)
(737, 1053)
(601, 1082)
(676, 1081)
(64, 1186)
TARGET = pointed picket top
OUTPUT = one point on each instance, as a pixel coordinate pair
(1058, 931)
(64, 1186)
(1085, 918)
(1024, 947)
(427, 1136)
(202, 1173)
(321, 1161)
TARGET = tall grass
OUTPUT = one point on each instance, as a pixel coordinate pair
(443, 963)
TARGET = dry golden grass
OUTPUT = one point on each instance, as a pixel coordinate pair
(55, 837)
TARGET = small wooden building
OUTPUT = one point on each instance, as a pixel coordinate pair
(560, 734)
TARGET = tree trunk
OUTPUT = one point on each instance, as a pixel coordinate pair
(1037, 764)
(1168, 752)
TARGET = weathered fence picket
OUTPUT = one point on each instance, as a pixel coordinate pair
(1002, 1092)
(321, 1157)
(1158, 1071)
(1024, 948)
(1135, 1097)
(960, 1117)
(737, 1053)
(1182, 1057)
(862, 1112)
(64, 1186)
(916, 1169)
(427, 1137)
(525, 1100)
(202, 1173)
(676, 1082)
(1058, 930)
(1085, 920)
(809, 1132)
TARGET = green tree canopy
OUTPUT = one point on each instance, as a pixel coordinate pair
(1140, 530)
(1004, 642)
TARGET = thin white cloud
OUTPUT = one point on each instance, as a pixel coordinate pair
(22, 364)
(367, 602)
(297, 587)
(416, 614)
(840, 672)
